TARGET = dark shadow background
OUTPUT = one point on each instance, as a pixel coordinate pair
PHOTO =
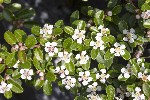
(49, 11)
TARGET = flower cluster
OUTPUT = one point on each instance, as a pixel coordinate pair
(99, 42)
(51, 48)
(5, 87)
(94, 87)
(137, 95)
(103, 76)
(85, 77)
(83, 58)
(26, 73)
(121, 94)
(146, 14)
(69, 82)
(65, 56)
(118, 50)
(126, 71)
(46, 31)
(130, 35)
(79, 35)
(62, 71)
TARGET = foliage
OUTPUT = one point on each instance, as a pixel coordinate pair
(65, 54)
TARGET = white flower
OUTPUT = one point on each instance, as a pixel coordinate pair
(126, 71)
(122, 93)
(1, 59)
(103, 76)
(65, 56)
(41, 74)
(26, 73)
(69, 82)
(5, 87)
(93, 87)
(143, 76)
(137, 16)
(51, 48)
(146, 15)
(97, 44)
(79, 35)
(82, 57)
(118, 50)
(94, 97)
(103, 31)
(17, 64)
(130, 36)
(109, 13)
(137, 95)
(62, 71)
(47, 29)
(85, 77)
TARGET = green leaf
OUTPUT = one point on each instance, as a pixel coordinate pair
(11, 59)
(26, 13)
(79, 24)
(130, 7)
(38, 53)
(99, 15)
(50, 77)
(100, 57)
(36, 64)
(57, 31)
(74, 16)
(8, 15)
(116, 10)
(80, 98)
(8, 94)
(22, 56)
(16, 74)
(101, 66)
(94, 53)
(130, 88)
(20, 35)
(70, 67)
(145, 6)
(146, 89)
(108, 55)
(2, 67)
(35, 30)
(94, 29)
(1, 1)
(111, 39)
(98, 21)
(132, 20)
(47, 87)
(30, 41)
(67, 43)
(122, 25)
(135, 69)
(59, 24)
(16, 87)
(127, 55)
(140, 3)
(7, 1)
(147, 23)
(86, 66)
(38, 84)
(69, 30)
(110, 90)
(10, 38)
(121, 78)
(14, 7)
(26, 65)
(112, 3)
